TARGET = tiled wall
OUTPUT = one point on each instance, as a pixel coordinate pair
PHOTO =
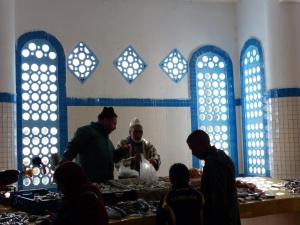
(284, 136)
(8, 158)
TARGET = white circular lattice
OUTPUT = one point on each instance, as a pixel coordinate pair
(253, 108)
(39, 93)
(130, 64)
(82, 61)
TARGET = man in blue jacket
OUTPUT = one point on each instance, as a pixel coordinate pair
(96, 151)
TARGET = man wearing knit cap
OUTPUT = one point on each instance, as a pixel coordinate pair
(96, 152)
(138, 146)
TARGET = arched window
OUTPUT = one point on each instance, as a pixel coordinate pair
(212, 93)
(41, 105)
(256, 159)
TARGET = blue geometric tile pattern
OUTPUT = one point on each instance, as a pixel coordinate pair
(130, 64)
(174, 65)
(82, 62)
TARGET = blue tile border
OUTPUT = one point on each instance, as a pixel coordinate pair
(283, 92)
(274, 93)
(7, 97)
(128, 102)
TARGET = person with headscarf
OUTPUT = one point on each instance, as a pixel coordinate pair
(96, 151)
(82, 202)
(139, 146)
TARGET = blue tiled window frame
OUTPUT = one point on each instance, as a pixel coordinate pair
(231, 98)
(61, 71)
(257, 44)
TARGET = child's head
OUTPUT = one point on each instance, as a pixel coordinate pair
(179, 173)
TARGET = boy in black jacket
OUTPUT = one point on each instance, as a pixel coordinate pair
(181, 205)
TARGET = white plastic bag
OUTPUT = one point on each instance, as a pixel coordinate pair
(147, 171)
(126, 172)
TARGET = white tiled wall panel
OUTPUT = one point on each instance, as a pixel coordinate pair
(8, 157)
(284, 137)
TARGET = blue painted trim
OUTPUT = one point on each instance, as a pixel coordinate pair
(61, 71)
(128, 102)
(7, 97)
(283, 92)
(231, 99)
(257, 44)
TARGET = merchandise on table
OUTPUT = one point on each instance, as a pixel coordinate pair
(137, 208)
(6, 194)
(195, 173)
(14, 218)
(261, 188)
(37, 202)
(113, 194)
(145, 191)
(20, 218)
(293, 186)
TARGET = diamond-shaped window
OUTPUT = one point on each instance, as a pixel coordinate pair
(82, 62)
(130, 64)
(174, 65)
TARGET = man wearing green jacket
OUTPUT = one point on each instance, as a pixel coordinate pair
(96, 152)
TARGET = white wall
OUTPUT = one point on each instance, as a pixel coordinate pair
(295, 9)
(277, 26)
(7, 43)
(251, 17)
(152, 27)
(284, 30)
(166, 128)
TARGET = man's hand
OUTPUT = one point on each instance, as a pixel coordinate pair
(126, 147)
(154, 163)
(137, 157)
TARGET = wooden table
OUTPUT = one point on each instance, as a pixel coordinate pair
(247, 210)
(284, 202)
